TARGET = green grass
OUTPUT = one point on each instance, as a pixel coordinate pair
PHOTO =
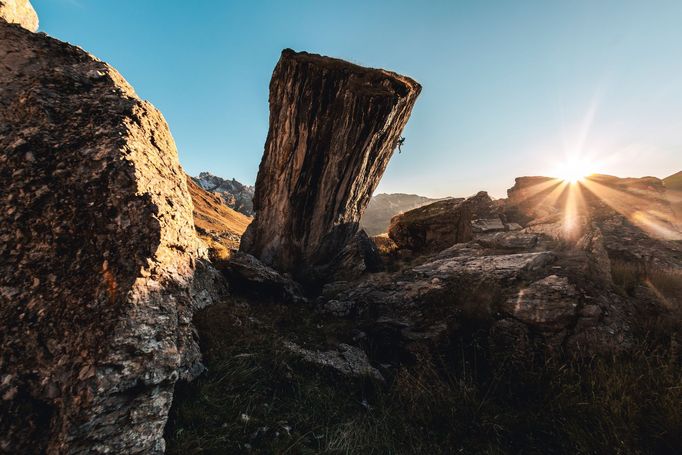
(256, 398)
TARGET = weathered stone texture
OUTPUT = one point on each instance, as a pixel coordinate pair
(432, 227)
(98, 256)
(19, 12)
(333, 128)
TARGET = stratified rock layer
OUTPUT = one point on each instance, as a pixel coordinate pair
(333, 129)
(98, 272)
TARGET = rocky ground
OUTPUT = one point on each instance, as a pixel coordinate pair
(520, 337)
(546, 322)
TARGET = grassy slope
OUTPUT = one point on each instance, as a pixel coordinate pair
(674, 182)
(212, 215)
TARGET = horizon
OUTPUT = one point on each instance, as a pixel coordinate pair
(507, 92)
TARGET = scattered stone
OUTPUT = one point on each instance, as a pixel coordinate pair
(508, 240)
(347, 360)
(497, 266)
(487, 225)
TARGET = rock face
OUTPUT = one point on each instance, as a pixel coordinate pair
(333, 128)
(432, 227)
(234, 194)
(19, 12)
(383, 207)
(98, 277)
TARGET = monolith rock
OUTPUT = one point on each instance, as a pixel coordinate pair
(99, 258)
(334, 126)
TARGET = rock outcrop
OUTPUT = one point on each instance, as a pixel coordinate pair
(383, 207)
(19, 12)
(98, 277)
(333, 128)
(432, 227)
(645, 202)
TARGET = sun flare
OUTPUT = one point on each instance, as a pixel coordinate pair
(573, 170)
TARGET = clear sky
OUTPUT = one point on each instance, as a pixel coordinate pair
(510, 88)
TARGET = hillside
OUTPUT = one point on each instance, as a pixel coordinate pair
(234, 194)
(674, 182)
(216, 223)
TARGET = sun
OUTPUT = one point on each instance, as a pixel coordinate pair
(573, 170)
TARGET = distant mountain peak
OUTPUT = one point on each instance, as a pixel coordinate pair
(235, 194)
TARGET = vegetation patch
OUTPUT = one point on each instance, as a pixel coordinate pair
(258, 398)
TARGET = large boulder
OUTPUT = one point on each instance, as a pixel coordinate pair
(98, 277)
(19, 12)
(333, 128)
(383, 207)
(432, 227)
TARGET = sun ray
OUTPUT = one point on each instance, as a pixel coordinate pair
(573, 209)
(637, 210)
(553, 196)
(538, 188)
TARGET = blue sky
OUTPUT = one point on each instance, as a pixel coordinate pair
(510, 88)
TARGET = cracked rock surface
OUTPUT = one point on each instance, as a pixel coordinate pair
(101, 270)
(333, 128)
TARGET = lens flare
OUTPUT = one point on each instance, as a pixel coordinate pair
(573, 170)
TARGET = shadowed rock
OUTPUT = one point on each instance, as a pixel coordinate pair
(432, 227)
(333, 128)
(383, 207)
(98, 277)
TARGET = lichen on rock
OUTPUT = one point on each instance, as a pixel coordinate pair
(97, 280)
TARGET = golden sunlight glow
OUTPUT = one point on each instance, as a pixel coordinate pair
(573, 170)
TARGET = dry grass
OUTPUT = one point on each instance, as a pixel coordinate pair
(256, 398)
(384, 244)
(219, 226)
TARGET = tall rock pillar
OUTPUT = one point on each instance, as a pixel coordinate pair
(333, 128)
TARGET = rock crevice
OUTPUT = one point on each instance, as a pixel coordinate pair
(333, 128)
